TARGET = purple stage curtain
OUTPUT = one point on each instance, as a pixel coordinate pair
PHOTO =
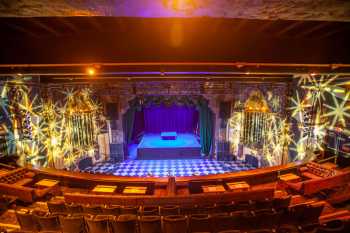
(180, 119)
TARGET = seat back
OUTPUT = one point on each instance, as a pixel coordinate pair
(74, 208)
(281, 203)
(72, 224)
(150, 210)
(312, 213)
(169, 210)
(97, 224)
(27, 221)
(125, 223)
(56, 206)
(267, 218)
(334, 226)
(264, 204)
(129, 210)
(111, 210)
(48, 223)
(199, 223)
(150, 224)
(175, 224)
(221, 222)
(92, 209)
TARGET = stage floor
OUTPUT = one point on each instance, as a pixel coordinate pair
(185, 146)
(162, 168)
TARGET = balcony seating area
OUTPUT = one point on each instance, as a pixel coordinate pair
(316, 179)
(252, 202)
(272, 216)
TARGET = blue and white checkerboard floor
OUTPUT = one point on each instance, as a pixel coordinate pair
(162, 168)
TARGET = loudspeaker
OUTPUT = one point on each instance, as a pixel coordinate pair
(112, 111)
(225, 109)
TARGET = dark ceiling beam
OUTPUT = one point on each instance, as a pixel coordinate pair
(233, 64)
(288, 28)
(265, 26)
(68, 24)
(335, 31)
(21, 29)
(44, 26)
(313, 29)
(95, 24)
(240, 25)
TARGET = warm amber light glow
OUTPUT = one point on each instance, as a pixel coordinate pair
(91, 71)
(180, 5)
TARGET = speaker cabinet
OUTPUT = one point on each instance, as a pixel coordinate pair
(225, 109)
(112, 111)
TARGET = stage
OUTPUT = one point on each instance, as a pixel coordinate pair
(184, 146)
(164, 168)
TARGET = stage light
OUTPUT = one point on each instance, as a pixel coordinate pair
(91, 71)
(313, 74)
(337, 90)
(180, 5)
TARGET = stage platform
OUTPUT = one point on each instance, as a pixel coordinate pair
(184, 146)
(162, 168)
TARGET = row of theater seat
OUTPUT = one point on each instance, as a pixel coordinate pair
(126, 223)
(303, 214)
(59, 206)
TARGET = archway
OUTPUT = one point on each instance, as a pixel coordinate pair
(198, 121)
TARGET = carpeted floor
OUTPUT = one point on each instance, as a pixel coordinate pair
(164, 168)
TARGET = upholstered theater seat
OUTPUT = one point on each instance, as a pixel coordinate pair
(27, 221)
(125, 223)
(129, 210)
(92, 209)
(56, 206)
(150, 210)
(111, 210)
(175, 224)
(199, 223)
(49, 223)
(74, 208)
(72, 224)
(150, 224)
(97, 224)
(221, 222)
(169, 210)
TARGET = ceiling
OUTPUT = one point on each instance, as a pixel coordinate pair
(177, 38)
(324, 10)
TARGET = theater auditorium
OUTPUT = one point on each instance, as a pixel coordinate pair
(174, 116)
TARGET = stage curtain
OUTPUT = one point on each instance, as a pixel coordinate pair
(180, 119)
(206, 124)
(206, 117)
(128, 125)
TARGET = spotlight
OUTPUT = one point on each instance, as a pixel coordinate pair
(313, 74)
(91, 71)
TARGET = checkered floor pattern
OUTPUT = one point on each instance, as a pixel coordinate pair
(164, 168)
